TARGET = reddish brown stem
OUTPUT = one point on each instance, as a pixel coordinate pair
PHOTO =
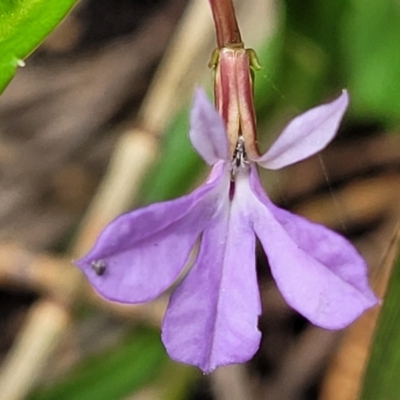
(226, 26)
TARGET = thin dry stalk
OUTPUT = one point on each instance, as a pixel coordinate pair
(41, 333)
(344, 377)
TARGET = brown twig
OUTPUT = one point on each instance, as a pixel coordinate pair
(343, 379)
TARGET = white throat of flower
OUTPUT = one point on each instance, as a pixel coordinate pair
(239, 163)
(239, 158)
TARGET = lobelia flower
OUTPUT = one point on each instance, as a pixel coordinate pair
(212, 315)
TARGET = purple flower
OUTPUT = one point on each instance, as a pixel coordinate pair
(212, 315)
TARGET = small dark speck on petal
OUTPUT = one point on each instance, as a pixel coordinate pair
(99, 267)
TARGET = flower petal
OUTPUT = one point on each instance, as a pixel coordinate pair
(141, 253)
(213, 314)
(207, 130)
(318, 272)
(306, 135)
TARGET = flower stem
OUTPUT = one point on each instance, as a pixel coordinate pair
(226, 26)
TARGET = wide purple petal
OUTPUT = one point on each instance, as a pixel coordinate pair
(318, 272)
(207, 130)
(141, 253)
(306, 135)
(213, 314)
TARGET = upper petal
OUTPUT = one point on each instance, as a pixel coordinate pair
(213, 314)
(318, 272)
(207, 130)
(142, 252)
(306, 135)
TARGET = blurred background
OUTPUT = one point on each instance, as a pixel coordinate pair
(97, 123)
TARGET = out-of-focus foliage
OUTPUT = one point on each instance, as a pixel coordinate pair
(371, 57)
(114, 374)
(345, 43)
(24, 24)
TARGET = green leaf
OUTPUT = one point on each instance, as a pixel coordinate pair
(24, 24)
(370, 41)
(381, 380)
(311, 70)
(113, 374)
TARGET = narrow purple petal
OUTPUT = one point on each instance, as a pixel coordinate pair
(141, 253)
(207, 130)
(213, 314)
(306, 135)
(318, 272)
